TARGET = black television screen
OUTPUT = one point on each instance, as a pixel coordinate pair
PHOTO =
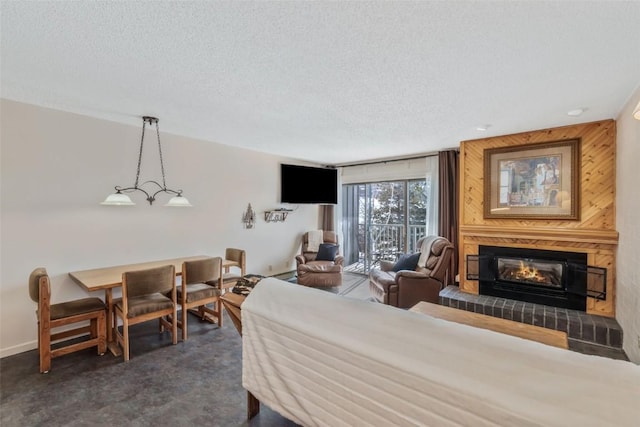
(304, 184)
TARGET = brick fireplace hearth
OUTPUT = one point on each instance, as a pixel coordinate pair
(587, 333)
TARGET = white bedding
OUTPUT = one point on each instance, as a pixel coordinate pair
(320, 359)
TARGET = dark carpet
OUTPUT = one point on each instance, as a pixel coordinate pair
(196, 382)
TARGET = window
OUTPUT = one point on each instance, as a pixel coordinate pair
(382, 220)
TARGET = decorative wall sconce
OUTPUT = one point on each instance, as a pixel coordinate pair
(249, 217)
(120, 199)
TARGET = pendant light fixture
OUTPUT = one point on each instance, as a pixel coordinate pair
(120, 199)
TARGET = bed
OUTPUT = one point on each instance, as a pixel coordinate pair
(321, 359)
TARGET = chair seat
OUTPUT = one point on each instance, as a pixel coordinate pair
(383, 279)
(231, 276)
(198, 291)
(73, 308)
(320, 267)
(145, 304)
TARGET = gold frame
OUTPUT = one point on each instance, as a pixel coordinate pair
(515, 189)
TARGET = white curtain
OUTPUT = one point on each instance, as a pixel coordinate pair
(432, 195)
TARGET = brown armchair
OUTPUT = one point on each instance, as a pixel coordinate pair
(320, 272)
(405, 288)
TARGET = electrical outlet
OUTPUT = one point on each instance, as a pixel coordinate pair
(270, 268)
(638, 337)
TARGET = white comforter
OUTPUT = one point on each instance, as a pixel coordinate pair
(320, 359)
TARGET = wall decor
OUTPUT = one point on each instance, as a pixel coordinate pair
(249, 217)
(533, 181)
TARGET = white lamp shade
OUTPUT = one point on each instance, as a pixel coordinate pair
(179, 202)
(636, 112)
(117, 199)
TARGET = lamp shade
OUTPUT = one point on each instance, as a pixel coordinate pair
(117, 199)
(636, 112)
(179, 202)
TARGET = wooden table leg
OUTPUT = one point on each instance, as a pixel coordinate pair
(111, 323)
(253, 406)
(233, 304)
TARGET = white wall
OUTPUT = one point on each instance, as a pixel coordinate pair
(56, 169)
(627, 209)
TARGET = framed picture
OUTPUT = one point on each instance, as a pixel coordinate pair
(533, 181)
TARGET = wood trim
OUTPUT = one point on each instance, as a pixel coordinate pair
(605, 237)
(505, 326)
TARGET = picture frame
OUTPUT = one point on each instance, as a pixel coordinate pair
(533, 181)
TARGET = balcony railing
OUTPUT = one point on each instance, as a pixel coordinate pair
(385, 241)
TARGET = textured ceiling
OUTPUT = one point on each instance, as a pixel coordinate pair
(328, 82)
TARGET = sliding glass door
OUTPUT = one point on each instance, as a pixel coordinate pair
(382, 220)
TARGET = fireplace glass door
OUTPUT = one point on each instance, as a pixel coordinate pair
(554, 278)
(530, 272)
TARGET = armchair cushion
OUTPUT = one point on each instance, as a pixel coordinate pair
(407, 262)
(327, 252)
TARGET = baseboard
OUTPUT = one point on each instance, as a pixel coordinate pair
(20, 348)
(286, 275)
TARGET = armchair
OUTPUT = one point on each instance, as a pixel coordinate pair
(405, 288)
(321, 266)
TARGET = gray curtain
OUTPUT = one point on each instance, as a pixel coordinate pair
(448, 174)
(349, 246)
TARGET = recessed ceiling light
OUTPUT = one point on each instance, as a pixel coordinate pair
(577, 112)
(483, 128)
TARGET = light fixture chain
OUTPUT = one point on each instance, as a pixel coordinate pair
(144, 122)
(164, 184)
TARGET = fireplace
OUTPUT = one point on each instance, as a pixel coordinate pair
(553, 278)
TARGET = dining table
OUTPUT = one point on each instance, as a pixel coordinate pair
(109, 278)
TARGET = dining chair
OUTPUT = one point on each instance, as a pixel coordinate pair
(146, 295)
(231, 277)
(52, 316)
(201, 285)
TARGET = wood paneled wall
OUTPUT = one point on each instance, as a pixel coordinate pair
(594, 233)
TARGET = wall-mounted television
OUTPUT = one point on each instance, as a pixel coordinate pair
(305, 184)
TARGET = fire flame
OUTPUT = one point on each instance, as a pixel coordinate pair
(528, 272)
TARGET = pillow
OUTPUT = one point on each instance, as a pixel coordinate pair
(327, 252)
(407, 262)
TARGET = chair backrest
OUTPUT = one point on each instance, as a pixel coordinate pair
(150, 281)
(203, 271)
(36, 278)
(438, 262)
(237, 255)
(327, 237)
